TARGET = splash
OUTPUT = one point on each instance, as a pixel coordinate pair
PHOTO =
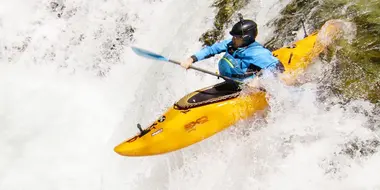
(73, 90)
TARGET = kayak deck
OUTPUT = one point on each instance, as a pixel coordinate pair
(216, 93)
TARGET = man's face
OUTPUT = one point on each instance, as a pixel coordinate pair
(237, 41)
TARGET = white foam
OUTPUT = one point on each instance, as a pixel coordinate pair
(59, 121)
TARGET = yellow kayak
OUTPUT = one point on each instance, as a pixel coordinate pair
(210, 110)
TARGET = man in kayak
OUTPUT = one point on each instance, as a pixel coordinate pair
(243, 57)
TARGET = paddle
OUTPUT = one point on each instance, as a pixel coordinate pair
(151, 55)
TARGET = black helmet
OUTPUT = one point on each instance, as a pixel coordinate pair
(247, 29)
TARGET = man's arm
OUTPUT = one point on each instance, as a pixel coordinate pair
(206, 53)
(210, 51)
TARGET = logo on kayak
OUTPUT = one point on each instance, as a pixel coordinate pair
(191, 126)
(157, 132)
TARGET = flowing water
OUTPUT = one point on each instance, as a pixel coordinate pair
(71, 89)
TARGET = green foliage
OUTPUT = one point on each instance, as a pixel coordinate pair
(358, 62)
(289, 21)
(226, 8)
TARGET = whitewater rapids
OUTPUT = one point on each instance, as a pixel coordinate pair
(68, 96)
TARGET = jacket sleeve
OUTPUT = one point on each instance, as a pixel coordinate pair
(212, 50)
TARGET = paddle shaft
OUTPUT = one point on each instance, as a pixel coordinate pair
(155, 56)
(205, 71)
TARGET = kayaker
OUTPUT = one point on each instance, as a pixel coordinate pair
(243, 55)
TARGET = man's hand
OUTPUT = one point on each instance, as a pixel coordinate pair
(186, 64)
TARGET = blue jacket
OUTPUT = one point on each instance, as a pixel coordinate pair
(235, 64)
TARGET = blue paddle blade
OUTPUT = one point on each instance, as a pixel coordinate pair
(148, 54)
